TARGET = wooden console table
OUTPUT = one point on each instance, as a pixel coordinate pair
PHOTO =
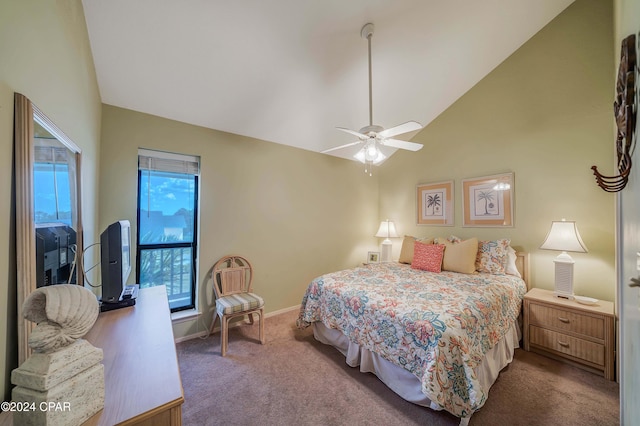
(141, 374)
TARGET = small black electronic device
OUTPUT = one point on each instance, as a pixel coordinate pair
(130, 292)
(127, 298)
(110, 306)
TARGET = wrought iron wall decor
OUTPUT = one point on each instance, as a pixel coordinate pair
(624, 110)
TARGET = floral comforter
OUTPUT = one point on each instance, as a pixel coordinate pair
(437, 326)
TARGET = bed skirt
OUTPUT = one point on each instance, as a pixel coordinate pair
(402, 381)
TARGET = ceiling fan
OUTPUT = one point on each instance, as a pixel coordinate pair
(372, 137)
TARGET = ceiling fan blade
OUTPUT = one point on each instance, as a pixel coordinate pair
(341, 146)
(411, 146)
(409, 126)
(353, 132)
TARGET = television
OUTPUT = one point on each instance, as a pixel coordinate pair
(55, 255)
(115, 260)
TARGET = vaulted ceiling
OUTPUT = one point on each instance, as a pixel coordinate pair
(290, 71)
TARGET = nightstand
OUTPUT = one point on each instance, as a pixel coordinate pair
(582, 335)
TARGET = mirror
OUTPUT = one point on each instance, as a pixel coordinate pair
(48, 208)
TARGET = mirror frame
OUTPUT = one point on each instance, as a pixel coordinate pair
(25, 114)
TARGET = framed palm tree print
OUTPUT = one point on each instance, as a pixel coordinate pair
(435, 203)
(488, 201)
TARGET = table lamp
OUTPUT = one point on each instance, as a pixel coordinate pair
(564, 236)
(387, 230)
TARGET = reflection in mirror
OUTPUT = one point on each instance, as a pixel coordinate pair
(48, 208)
(55, 218)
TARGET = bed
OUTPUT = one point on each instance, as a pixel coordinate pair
(436, 339)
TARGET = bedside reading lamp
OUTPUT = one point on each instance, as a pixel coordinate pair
(564, 236)
(387, 230)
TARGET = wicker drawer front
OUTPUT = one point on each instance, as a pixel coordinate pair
(547, 339)
(566, 320)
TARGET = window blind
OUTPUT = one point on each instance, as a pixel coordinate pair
(168, 162)
(50, 154)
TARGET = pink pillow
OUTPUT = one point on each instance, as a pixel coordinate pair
(427, 257)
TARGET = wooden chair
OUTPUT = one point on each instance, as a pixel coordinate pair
(232, 284)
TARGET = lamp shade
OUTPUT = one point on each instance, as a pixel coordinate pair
(387, 230)
(564, 236)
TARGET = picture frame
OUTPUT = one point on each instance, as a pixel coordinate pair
(435, 203)
(488, 201)
(373, 257)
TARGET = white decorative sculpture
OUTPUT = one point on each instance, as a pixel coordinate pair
(64, 313)
(63, 381)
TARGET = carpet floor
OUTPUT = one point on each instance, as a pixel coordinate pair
(295, 380)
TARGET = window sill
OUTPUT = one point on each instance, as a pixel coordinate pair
(182, 316)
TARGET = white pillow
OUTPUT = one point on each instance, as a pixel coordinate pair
(510, 267)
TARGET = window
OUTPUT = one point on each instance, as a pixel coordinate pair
(52, 187)
(167, 225)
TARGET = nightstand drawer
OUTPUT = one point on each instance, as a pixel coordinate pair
(559, 342)
(566, 320)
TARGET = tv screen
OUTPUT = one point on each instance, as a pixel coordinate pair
(115, 259)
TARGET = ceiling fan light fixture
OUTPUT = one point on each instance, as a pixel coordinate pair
(372, 137)
(361, 156)
(371, 152)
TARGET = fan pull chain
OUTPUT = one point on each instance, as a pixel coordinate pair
(368, 167)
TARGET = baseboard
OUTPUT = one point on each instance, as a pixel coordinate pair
(191, 336)
(282, 311)
(216, 329)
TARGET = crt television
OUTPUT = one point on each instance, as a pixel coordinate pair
(115, 259)
(55, 254)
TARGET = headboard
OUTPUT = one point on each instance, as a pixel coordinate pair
(522, 263)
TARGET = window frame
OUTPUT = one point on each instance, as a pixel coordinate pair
(155, 246)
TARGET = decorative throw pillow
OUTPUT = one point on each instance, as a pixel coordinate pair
(427, 257)
(492, 256)
(406, 252)
(460, 257)
(511, 268)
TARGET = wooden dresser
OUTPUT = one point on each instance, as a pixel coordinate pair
(141, 374)
(583, 335)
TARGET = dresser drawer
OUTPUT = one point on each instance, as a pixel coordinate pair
(568, 345)
(566, 320)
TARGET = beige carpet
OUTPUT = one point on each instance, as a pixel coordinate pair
(295, 380)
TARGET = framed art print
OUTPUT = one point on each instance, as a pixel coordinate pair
(435, 203)
(488, 201)
(373, 257)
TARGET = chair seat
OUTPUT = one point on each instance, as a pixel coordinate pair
(239, 302)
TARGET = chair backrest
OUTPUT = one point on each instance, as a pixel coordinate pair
(231, 275)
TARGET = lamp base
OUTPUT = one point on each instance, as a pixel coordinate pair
(564, 276)
(385, 251)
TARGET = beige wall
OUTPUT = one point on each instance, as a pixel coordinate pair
(293, 213)
(544, 114)
(45, 56)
